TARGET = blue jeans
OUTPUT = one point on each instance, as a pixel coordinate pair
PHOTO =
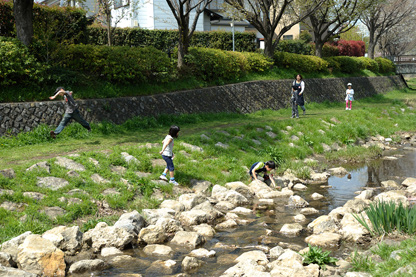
(67, 117)
(169, 163)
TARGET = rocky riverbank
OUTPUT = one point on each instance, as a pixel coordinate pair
(182, 227)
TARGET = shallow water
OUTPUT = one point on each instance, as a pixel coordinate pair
(247, 238)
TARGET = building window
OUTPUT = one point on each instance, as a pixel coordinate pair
(287, 37)
(121, 3)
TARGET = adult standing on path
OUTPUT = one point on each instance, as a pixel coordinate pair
(298, 87)
(71, 112)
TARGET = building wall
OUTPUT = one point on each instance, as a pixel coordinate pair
(242, 97)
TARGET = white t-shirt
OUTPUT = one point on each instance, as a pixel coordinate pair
(169, 149)
(350, 94)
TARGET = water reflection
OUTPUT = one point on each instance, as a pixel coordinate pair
(244, 238)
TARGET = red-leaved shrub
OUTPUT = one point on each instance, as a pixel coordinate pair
(352, 48)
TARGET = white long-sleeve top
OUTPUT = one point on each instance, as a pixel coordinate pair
(350, 94)
(302, 86)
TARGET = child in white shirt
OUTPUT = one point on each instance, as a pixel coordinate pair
(167, 155)
(349, 97)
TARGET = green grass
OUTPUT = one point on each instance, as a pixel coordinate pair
(369, 117)
(386, 262)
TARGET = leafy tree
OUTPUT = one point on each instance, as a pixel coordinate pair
(181, 10)
(334, 18)
(267, 15)
(382, 16)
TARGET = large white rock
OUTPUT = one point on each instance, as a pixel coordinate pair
(11, 271)
(202, 253)
(356, 205)
(246, 268)
(256, 255)
(291, 229)
(158, 250)
(325, 240)
(396, 196)
(188, 239)
(297, 201)
(390, 184)
(205, 230)
(152, 215)
(366, 194)
(87, 266)
(323, 224)
(39, 256)
(317, 196)
(212, 212)
(152, 234)
(11, 246)
(241, 188)
(190, 200)
(132, 222)
(107, 236)
(69, 164)
(191, 264)
(193, 217)
(68, 239)
(351, 229)
(52, 183)
(173, 204)
(110, 251)
(276, 251)
(409, 182)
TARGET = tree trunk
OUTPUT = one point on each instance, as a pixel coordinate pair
(371, 45)
(268, 46)
(318, 47)
(183, 46)
(109, 35)
(23, 16)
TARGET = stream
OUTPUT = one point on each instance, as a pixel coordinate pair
(253, 236)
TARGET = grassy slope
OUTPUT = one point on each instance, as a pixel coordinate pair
(377, 115)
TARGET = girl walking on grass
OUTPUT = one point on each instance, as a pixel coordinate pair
(349, 97)
(167, 155)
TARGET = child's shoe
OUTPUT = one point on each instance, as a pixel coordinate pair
(163, 177)
(173, 182)
(346, 109)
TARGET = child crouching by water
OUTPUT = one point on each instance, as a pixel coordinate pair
(261, 167)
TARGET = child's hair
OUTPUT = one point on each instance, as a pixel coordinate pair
(299, 76)
(270, 164)
(174, 130)
(58, 89)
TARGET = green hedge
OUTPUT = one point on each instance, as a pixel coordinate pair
(370, 64)
(213, 64)
(385, 65)
(345, 64)
(6, 19)
(166, 40)
(17, 64)
(301, 63)
(118, 64)
(295, 46)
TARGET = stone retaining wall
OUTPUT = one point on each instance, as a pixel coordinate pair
(242, 97)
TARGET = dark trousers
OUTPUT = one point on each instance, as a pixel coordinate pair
(67, 117)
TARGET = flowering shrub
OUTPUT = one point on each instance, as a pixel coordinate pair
(352, 48)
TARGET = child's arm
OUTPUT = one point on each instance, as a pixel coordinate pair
(56, 94)
(165, 144)
(302, 86)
